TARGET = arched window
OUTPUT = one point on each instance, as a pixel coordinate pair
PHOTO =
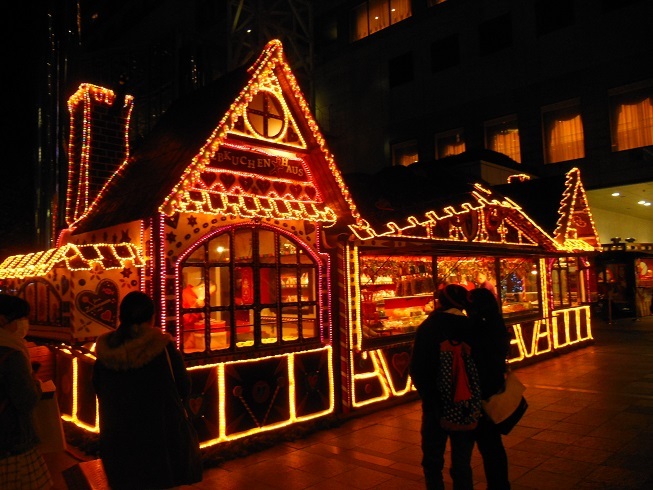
(248, 287)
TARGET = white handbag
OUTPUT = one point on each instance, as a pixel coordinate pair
(503, 404)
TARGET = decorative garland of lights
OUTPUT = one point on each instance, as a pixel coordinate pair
(566, 232)
(565, 314)
(220, 367)
(518, 178)
(356, 333)
(364, 231)
(386, 374)
(293, 418)
(249, 206)
(86, 94)
(163, 277)
(73, 418)
(376, 373)
(76, 258)
(516, 218)
(146, 271)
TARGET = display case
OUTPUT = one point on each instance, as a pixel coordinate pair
(520, 287)
(397, 294)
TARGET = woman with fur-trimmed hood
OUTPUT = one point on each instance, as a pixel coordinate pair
(141, 384)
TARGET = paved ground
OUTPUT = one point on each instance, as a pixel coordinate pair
(589, 425)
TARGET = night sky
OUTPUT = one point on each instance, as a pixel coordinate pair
(17, 172)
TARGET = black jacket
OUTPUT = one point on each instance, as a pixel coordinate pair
(425, 360)
(489, 350)
(19, 394)
(141, 415)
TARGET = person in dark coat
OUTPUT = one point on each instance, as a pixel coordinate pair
(21, 464)
(144, 439)
(448, 321)
(490, 346)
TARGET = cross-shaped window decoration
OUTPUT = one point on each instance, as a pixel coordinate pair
(265, 115)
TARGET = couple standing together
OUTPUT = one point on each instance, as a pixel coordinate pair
(483, 328)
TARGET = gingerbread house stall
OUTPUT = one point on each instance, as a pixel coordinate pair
(219, 215)
(292, 291)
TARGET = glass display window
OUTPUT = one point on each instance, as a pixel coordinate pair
(248, 287)
(517, 290)
(567, 282)
(396, 294)
(469, 272)
(520, 286)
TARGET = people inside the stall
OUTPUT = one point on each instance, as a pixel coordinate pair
(467, 282)
(448, 321)
(490, 345)
(194, 297)
(21, 463)
(141, 382)
(483, 282)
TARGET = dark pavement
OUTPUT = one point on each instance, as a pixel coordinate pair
(589, 425)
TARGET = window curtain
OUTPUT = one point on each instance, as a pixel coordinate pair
(399, 10)
(404, 153)
(450, 145)
(359, 25)
(407, 157)
(634, 124)
(565, 138)
(505, 141)
(379, 15)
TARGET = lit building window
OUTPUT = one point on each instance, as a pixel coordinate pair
(502, 136)
(563, 133)
(405, 153)
(449, 143)
(374, 15)
(435, 2)
(632, 119)
(248, 288)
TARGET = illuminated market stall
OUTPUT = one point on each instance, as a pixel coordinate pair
(425, 226)
(292, 291)
(219, 215)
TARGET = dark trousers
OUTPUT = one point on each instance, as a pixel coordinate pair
(434, 442)
(495, 461)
